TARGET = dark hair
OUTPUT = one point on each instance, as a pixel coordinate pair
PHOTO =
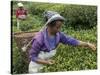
(53, 23)
(46, 19)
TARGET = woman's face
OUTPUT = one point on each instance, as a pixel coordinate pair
(57, 27)
(21, 8)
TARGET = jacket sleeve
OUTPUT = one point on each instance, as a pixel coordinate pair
(68, 40)
(35, 50)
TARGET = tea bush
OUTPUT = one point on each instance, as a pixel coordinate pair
(80, 23)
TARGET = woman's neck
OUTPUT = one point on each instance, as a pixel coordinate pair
(50, 33)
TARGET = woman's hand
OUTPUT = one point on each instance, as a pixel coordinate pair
(50, 62)
(92, 46)
(87, 44)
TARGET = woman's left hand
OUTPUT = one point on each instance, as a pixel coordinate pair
(92, 46)
(51, 61)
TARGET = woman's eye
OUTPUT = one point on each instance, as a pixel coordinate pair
(57, 27)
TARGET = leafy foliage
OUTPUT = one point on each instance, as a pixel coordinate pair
(80, 23)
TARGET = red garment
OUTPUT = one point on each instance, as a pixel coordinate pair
(21, 12)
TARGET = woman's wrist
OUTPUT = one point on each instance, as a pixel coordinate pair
(85, 44)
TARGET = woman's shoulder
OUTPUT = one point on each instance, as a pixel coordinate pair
(38, 37)
(62, 34)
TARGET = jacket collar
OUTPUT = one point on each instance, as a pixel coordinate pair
(46, 41)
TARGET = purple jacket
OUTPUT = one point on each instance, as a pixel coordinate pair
(40, 43)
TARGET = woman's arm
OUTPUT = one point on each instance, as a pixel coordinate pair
(41, 61)
(36, 47)
(74, 42)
